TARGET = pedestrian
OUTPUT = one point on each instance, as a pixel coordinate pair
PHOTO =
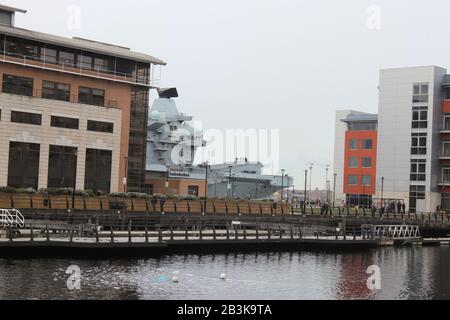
(399, 207)
(404, 208)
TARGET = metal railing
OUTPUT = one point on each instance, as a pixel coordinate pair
(55, 95)
(69, 67)
(11, 218)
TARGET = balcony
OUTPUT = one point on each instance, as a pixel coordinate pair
(444, 156)
(67, 67)
(57, 96)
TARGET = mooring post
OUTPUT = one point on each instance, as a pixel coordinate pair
(236, 233)
(31, 234)
(47, 233)
(245, 233)
(214, 232)
(71, 236)
(292, 233)
(160, 237)
(257, 231)
(269, 234)
(300, 232)
(129, 235)
(171, 233)
(281, 232)
(354, 234)
(146, 234)
(112, 235)
(10, 233)
(228, 233)
(201, 232)
(186, 233)
(97, 239)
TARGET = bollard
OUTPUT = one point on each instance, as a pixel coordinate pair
(31, 234)
(97, 239)
(300, 234)
(236, 233)
(146, 234)
(160, 236)
(201, 233)
(228, 233)
(281, 233)
(112, 235)
(71, 236)
(47, 232)
(269, 235)
(257, 232)
(292, 233)
(171, 233)
(354, 234)
(186, 233)
(10, 233)
(245, 233)
(214, 233)
(129, 235)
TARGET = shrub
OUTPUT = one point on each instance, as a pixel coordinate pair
(8, 190)
(26, 191)
(90, 193)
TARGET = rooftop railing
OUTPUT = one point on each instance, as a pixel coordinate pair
(70, 67)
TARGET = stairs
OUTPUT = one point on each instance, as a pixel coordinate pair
(11, 218)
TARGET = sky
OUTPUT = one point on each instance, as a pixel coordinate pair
(264, 64)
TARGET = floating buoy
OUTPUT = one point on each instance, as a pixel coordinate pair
(223, 276)
(175, 279)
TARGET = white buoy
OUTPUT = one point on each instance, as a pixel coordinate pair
(175, 279)
(223, 276)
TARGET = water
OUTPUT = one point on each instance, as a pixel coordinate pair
(406, 273)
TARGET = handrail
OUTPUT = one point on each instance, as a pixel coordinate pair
(78, 68)
(12, 217)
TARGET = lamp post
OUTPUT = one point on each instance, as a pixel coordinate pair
(282, 183)
(382, 192)
(327, 184)
(334, 191)
(206, 185)
(233, 185)
(229, 182)
(310, 180)
(306, 191)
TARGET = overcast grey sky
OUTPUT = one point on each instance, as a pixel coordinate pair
(281, 64)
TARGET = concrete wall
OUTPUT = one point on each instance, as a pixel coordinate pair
(394, 131)
(46, 135)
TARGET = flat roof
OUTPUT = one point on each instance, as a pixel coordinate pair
(11, 9)
(368, 117)
(81, 44)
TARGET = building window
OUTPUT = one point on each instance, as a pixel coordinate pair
(55, 91)
(193, 191)
(419, 143)
(353, 144)
(353, 162)
(367, 144)
(27, 118)
(446, 174)
(415, 193)
(362, 126)
(446, 122)
(418, 170)
(98, 170)
(91, 96)
(62, 167)
(23, 168)
(446, 148)
(353, 180)
(367, 162)
(99, 126)
(17, 85)
(420, 94)
(63, 122)
(420, 118)
(67, 58)
(366, 181)
(447, 93)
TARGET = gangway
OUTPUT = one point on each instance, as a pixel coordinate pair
(11, 218)
(394, 232)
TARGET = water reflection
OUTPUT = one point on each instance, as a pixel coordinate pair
(406, 273)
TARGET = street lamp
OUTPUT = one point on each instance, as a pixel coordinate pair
(229, 182)
(282, 183)
(233, 186)
(334, 191)
(310, 179)
(306, 191)
(206, 184)
(125, 179)
(382, 193)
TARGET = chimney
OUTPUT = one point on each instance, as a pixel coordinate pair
(7, 15)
